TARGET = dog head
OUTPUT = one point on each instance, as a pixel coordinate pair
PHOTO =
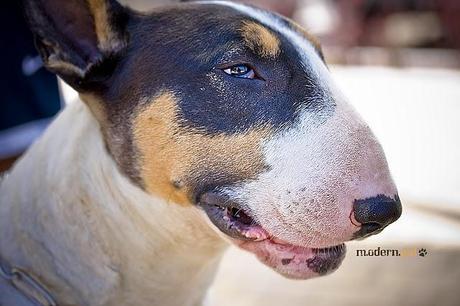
(229, 109)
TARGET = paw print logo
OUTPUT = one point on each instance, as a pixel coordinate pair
(422, 252)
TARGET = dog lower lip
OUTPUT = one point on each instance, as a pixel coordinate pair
(327, 260)
(297, 262)
(331, 250)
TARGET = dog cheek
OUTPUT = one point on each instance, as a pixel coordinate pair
(153, 134)
(175, 160)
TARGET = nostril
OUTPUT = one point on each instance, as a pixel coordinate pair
(375, 213)
(370, 228)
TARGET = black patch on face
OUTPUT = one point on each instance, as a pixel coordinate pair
(183, 50)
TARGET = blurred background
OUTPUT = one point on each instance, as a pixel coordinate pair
(398, 63)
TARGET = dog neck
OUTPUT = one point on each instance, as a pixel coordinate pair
(73, 221)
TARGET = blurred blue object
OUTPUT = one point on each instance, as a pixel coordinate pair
(29, 94)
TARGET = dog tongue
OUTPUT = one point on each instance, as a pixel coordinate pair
(255, 233)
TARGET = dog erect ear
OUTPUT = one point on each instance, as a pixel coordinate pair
(79, 40)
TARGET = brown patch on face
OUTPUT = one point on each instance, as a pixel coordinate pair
(174, 159)
(260, 39)
(108, 39)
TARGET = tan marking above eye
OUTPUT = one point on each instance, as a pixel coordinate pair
(171, 153)
(260, 39)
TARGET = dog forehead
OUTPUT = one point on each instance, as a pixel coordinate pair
(219, 23)
(204, 30)
(280, 25)
(195, 38)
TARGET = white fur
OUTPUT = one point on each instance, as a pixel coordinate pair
(317, 167)
(69, 217)
(96, 239)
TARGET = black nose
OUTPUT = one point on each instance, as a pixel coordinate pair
(375, 214)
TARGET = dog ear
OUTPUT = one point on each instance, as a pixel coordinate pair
(78, 39)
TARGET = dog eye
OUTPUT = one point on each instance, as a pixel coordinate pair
(241, 71)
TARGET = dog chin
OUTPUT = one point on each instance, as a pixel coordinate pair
(295, 262)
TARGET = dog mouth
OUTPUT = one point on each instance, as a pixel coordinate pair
(292, 261)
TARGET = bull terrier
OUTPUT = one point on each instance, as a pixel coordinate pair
(198, 125)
